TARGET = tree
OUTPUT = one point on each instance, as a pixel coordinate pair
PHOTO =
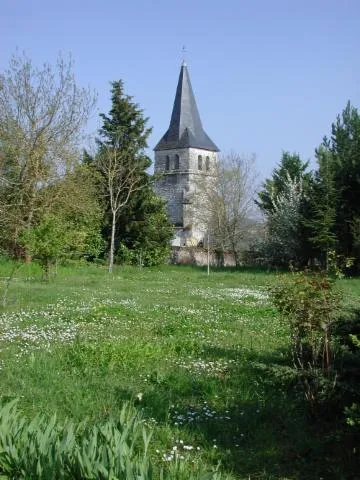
(123, 178)
(42, 115)
(47, 241)
(121, 155)
(291, 167)
(223, 202)
(284, 202)
(321, 217)
(71, 228)
(145, 230)
(78, 204)
(344, 145)
(282, 245)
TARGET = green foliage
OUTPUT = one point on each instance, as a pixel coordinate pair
(355, 340)
(44, 449)
(47, 242)
(81, 208)
(282, 244)
(321, 214)
(344, 145)
(125, 256)
(125, 125)
(291, 166)
(145, 230)
(69, 229)
(353, 415)
(142, 256)
(39, 134)
(328, 215)
(141, 223)
(56, 239)
(337, 265)
(283, 200)
(309, 303)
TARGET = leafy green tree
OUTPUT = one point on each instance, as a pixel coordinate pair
(291, 167)
(284, 202)
(78, 203)
(42, 115)
(282, 244)
(121, 157)
(71, 226)
(47, 242)
(146, 230)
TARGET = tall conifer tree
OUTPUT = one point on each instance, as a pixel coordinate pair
(123, 162)
(344, 145)
(321, 213)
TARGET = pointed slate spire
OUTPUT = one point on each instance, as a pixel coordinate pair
(185, 128)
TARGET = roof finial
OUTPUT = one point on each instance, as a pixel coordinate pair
(183, 53)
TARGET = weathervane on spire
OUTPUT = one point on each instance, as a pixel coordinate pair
(183, 54)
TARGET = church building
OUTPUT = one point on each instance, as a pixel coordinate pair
(184, 155)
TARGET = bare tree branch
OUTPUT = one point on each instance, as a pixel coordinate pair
(122, 175)
(42, 115)
(223, 203)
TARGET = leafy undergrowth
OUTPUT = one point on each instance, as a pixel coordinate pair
(44, 449)
(202, 361)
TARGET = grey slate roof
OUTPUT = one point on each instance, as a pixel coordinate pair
(185, 128)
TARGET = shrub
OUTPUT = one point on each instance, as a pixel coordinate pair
(352, 412)
(310, 304)
(144, 257)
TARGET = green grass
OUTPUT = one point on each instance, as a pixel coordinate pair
(191, 351)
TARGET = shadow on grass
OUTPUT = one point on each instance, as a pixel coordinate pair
(258, 423)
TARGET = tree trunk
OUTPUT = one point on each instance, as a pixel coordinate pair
(30, 216)
(47, 269)
(15, 267)
(112, 242)
(327, 260)
(236, 258)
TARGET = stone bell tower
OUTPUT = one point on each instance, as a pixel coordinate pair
(183, 156)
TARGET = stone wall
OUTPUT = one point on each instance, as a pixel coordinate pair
(205, 154)
(188, 160)
(198, 256)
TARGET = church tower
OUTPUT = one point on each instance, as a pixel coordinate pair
(183, 154)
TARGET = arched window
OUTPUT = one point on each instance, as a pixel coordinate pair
(199, 162)
(207, 163)
(167, 163)
(177, 162)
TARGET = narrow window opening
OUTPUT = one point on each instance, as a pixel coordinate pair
(207, 164)
(199, 162)
(177, 162)
(167, 163)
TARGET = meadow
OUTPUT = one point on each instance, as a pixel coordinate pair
(197, 356)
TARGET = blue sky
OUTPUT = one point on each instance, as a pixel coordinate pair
(267, 75)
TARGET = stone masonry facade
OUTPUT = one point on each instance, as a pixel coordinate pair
(180, 170)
